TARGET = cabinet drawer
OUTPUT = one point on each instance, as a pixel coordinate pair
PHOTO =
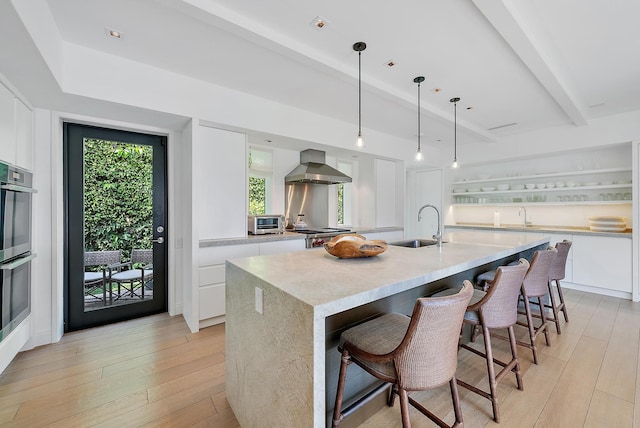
(209, 275)
(278, 247)
(211, 299)
(217, 255)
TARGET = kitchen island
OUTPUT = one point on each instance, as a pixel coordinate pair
(285, 313)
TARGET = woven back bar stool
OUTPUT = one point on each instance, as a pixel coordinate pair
(535, 285)
(497, 308)
(411, 353)
(556, 274)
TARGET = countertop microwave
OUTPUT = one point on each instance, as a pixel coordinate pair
(265, 223)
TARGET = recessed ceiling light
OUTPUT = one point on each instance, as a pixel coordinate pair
(113, 33)
(391, 63)
(319, 22)
(436, 90)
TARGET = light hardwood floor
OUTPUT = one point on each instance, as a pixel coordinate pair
(154, 372)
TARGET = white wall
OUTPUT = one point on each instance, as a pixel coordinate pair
(622, 128)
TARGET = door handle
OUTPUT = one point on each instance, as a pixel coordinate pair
(160, 240)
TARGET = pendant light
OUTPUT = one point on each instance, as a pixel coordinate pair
(359, 47)
(455, 131)
(419, 80)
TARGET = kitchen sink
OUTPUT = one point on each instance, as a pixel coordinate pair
(415, 243)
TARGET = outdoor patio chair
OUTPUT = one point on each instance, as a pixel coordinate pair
(135, 275)
(96, 279)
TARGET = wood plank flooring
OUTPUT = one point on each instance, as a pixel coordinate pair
(153, 372)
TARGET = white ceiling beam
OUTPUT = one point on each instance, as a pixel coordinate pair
(512, 27)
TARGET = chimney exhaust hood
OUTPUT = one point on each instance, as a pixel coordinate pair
(313, 169)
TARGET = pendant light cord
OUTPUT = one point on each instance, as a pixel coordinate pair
(359, 92)
(455, 130)
(419, 115)
(419, 80)
(359, 47)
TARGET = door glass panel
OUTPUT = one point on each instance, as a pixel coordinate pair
(118, 223)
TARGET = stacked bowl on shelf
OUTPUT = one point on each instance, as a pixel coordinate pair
(608, 224)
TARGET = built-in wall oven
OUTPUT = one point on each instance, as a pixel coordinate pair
(15, 246)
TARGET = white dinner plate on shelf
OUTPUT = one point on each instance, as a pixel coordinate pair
(607, 228)
(608, 219)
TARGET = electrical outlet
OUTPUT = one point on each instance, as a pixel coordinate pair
(259, 300)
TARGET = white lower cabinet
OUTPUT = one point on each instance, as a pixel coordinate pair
(211, 273)
(603, 262)
(396, 235)
(278, 247)
(211, 279)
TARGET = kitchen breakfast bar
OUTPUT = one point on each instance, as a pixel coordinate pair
(285, 313)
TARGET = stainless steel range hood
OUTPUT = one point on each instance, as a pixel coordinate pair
(313, 169)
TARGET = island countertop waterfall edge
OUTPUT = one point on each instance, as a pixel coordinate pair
(275, 360)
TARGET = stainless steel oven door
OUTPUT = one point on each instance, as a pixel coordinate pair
(15, 220)
(15, 293)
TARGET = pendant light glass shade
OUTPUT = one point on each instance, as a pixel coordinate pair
(455, 131)
(419, 156)
(359, 47)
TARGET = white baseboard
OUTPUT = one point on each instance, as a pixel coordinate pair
(211, 321)
(597, 290)
(14, 342)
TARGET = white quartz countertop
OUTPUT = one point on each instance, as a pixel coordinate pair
(540, 229)
(332, 285)
(252, 239)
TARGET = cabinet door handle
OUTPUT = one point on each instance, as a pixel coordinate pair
(160, 240)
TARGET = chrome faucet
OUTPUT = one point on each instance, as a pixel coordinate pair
(438, 235)
(520, 211)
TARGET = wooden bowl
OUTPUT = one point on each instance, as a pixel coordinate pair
(352, 245)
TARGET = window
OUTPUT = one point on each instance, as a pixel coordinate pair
(345, 204)
(260, 180)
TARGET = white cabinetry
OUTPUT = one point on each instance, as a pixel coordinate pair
(211, 273)
(278, 247)
(395, 235)
(7, 126)
(602, 262)
(24, 135)
(16, 130)
(211, 279)
(385, 193)
(220, 187)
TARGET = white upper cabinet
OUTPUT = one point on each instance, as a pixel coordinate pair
(386, 193)
(7, 126)
(24, 135)
(16, 130)
(220, 187)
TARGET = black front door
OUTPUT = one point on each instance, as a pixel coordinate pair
(115, 225)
